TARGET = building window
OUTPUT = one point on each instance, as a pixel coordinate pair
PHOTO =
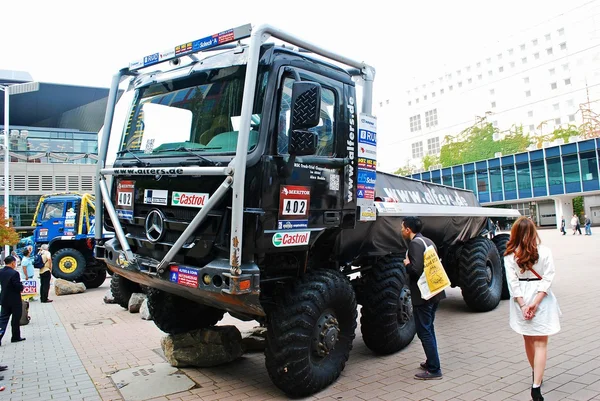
(450, 87)
(432, 94)
(424, 97)
(570, 102)
(488, 60)
(561, 32)
(493, 105)
(501, 69)
(458, 72)
(409, 103)
(512, 64)
(522, 47)
(530, 113)
(524, 60)
(417, 100)
(492, 91)
(415, 123)
(433, 146)
(563, 46)
(531, 128)
(548, 37)
(495, 124)
(510, 52)
(567, 81)
(441, 91)
(417, 149)
(490, 73)
(431, 119)
(468, 68)
(500, 56)
(480, 77)
(565, 67)
(553, 85)
(536, 56)
(460, 84)
(527, 93)
(557, 121)
(534, 42)
(526, 80)
(572, 118)
(552, 71)
(556, 106)
(549, 51)
(470, 80)
(479, 65)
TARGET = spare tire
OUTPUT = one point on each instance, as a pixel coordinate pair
(480, 274)
(500, 241)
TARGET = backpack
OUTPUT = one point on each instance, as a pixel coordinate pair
(38, 261)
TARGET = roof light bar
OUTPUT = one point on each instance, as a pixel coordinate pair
(198, 45)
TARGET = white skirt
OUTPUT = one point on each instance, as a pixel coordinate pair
(547, 316)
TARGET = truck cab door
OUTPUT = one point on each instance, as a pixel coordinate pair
(51, 221)
(309, 195)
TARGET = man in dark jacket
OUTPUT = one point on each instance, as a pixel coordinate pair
(424, 310)
(10, 299)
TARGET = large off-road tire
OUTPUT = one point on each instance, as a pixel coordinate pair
(481, 274)
(310, 332)
(500, 241)
(68, 264)
(387, 321)
(173, 314)
(94, 279)
(121, 289)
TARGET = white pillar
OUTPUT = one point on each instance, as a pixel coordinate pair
(564, 209)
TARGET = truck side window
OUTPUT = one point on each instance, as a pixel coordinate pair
(324, 130)
(53, 211)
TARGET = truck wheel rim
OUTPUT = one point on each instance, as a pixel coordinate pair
(325, 335)
(489, 272)
(67, 264)
(405, 307)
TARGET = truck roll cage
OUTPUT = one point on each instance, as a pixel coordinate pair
(236, 171)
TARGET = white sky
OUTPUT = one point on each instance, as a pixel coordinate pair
(85, 43)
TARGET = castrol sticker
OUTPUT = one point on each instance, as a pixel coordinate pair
(291, 238)
(189, 199)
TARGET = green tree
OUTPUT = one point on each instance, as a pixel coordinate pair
(477, 143)
(430, 160)
(8, 235)
(578, 206)
(408, 169)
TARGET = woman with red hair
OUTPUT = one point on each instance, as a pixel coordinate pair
(534, 311)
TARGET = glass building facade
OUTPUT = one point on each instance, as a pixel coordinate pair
(558, 170)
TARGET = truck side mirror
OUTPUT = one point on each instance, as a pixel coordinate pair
(306, 105)
(302, 143)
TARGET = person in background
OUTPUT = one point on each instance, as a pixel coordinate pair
(574, 223)
(534, 310)
(45, 273)
(27, 266)
(10, 299)
(588, 225)
(563, 226)
(424, 310)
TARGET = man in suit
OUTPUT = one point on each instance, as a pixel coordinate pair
(423, 310)
(10, 299)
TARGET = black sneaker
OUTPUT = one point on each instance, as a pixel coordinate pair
(428, 376)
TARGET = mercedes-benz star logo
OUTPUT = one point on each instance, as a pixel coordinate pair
(155, 225)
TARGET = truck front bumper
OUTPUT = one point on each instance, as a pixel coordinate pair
(211, 285)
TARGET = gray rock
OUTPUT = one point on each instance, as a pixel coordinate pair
(255, 339)
(144, 311)
(64, 287)
(203, 348)
(108, 297)
(135, 302)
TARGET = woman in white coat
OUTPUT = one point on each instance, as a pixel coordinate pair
(534, 311)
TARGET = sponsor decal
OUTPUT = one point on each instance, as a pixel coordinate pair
(367, 178)
(428, 196)
(351, 146)
(294, 202)
(291, 239)
(364, 163)
(184, 276)
(156, 196)
(189, 199)
(43, 232)
(125, 195)
(291, 224)
(149, 171)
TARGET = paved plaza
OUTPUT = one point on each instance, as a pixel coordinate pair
(75, 344)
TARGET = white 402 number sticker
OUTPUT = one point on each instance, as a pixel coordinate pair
(294, 207)
(124, 199)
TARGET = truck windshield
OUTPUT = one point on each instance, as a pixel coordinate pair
(200, 112)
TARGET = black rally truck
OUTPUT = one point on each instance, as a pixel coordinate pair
(245, 182)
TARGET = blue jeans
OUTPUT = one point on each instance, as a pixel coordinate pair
(588, 229)
(424, 317)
